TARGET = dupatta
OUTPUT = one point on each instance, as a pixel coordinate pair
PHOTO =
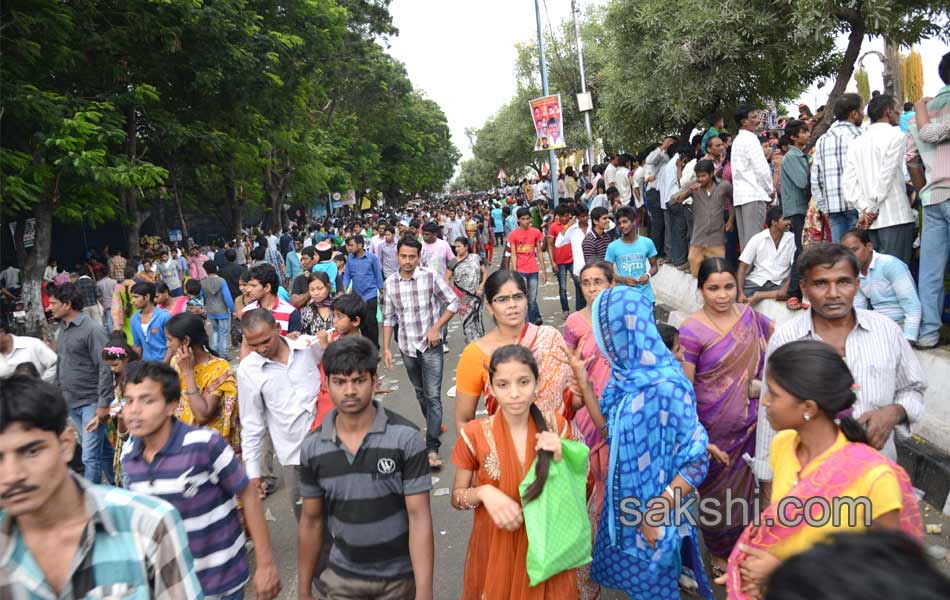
(837, 474)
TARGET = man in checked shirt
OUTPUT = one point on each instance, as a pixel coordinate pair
(63, 537)
(422, 303)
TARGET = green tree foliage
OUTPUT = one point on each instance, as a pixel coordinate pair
(205, 108)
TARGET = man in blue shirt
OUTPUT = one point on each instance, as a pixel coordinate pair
(366, 275)
(498, 225)
(633, 257)
(148, 324)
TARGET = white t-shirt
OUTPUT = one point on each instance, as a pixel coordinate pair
(769, 263)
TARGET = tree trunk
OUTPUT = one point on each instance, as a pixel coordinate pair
(842, 77)
(33, 261)
(176, 194)
(235, 209)
(892, 73)
(134, 218)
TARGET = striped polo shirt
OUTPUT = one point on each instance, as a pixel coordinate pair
(286, 315)
(364, 495)
(198, 473)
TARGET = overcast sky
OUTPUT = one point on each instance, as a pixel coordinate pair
(461, 53)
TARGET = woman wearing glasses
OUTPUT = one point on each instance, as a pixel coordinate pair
(507, 300)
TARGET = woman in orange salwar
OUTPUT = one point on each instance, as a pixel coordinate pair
(493, 455)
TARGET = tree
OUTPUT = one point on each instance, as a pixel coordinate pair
(900, 22)
(671, 64)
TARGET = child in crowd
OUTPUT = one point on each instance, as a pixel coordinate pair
(364, 474)
(490, 455)
(196, 303)
(340, 259)
(348, 310)
(671, 338)
(196, 471)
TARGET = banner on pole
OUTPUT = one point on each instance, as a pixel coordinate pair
(548, 127)
(501, 174)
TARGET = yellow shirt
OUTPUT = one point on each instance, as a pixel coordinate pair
(878, 484)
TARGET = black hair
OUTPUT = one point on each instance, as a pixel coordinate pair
(668, 334)
(785, 142)
(705, 166)
(144, 288)
(876, 564)
(612, 192)
(193, 287)
(253, 318)
(711, 266)
(356, 239)
(409, 242)
(562, 209)
(598, 212)
(349, 355)
(211, 267)
(501, 277)
(579, 209)
(258, 253)
(862, 234)
(606, 267)
(825, 255)
(431, 227)
(245, 276)
(191, 326)
(26, 368)
(772, 215)
(320, 276)
(601, 186)
(68, 293)
(351, 305)
(944, 68)
(165, 376)
(523, 212)
(230, 255)
(118, 340)
(325, 255)
(794, 127)
(626, 212)
(845, 105)
(309, 251)
(742, 113)
(520, 354)
(129, 272)
(463, 240)
(33, 403)
(266, 275)
(161, 288)
(813, 370)
(879, 105)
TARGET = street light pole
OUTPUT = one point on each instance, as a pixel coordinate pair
(580, 60)
(552, 158)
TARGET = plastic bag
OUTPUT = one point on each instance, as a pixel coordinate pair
(556, 521)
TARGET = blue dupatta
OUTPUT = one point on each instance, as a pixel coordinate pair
(654, 434)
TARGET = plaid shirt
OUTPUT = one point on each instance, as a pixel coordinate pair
(416, 304)
(827, 170)
(134, 546)
(925, 149)
(276, 260)
(117, 267)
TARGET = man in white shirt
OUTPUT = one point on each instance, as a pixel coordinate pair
(874, 181)
(752, 186)
(638, 181)
(655, 161)
(574, 235)
(10, 279)
(16, 350)
(623, 179)
(765, 265)
(610, 171)
(278, 382)
(674, 216)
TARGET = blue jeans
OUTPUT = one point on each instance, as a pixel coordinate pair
(579, 301)
(934, 249)
(534, 312)
(97, 452)
(425, 374)
(563, 272)
(220, 334)
(841, 222)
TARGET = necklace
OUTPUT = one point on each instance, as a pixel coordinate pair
(713, 321)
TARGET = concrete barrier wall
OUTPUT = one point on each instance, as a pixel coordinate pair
(677, 292)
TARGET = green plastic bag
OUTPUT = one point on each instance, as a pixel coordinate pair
(556, 521)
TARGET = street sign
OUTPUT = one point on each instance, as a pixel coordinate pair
(502, 174)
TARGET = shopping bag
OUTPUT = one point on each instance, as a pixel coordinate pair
(556, 521)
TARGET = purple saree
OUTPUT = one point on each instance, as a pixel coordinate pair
(725, 364)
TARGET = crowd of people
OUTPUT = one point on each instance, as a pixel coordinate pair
(182, 372)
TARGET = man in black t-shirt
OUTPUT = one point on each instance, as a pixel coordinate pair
(300, 287)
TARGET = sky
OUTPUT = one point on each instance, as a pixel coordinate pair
(461, 53)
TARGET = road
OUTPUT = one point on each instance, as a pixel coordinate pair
(451, 527)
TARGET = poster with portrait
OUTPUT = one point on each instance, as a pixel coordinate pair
(548, 126)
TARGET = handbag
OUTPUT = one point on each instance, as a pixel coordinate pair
(558, 528)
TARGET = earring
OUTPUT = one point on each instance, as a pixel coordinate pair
(807, 417)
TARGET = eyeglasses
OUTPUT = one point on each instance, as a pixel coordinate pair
(516, 298)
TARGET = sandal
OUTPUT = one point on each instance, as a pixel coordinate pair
(434, 461)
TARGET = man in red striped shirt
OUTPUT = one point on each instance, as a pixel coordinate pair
(261, 288)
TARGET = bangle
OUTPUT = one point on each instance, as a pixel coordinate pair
(192, 393)
(669, 489)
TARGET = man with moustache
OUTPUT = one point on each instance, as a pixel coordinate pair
(889, 379)
(63, 537)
